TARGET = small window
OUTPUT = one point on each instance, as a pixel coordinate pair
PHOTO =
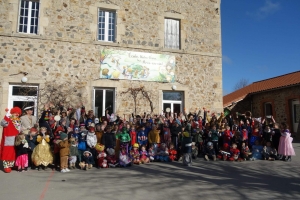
(174, 96)
(172, 33)
(29, 16)
(268, 109)
(23, 96)
(106, 25)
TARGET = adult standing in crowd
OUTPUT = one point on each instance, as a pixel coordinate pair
(28, 121)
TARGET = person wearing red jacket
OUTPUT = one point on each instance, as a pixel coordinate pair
(172, 152)
(11, 128)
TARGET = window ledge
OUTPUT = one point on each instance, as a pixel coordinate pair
(173, 50)
(26, 35)
(104, 43)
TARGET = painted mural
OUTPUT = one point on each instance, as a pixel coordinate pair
(129, 65)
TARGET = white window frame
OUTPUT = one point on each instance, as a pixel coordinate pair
(171, 36)
(106, 25)
(172, 104)
(12, 98)
(104, 100)
(29, 17)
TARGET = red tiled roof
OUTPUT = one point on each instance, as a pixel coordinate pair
(268, 84)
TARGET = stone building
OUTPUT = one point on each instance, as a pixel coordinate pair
(278, 96)
(170, 48)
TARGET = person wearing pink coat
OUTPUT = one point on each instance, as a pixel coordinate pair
(285, 147)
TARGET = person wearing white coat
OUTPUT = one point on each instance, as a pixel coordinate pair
(91, 140)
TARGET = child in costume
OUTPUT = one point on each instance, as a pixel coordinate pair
(135, 154)
(111, 157)
(73, 153)
(143, 137)
(124, 159)
(91, 140)
(87, 161)
(269, 153)
(31, 139)
(214, 137)
(21, 152)
(210, 153)
(151, 153)
(166, 134)
(64, 152)
(245, 152)
(101, 157)
(235, 153)
(144, 155)
(81, 145)
(133, 135)
(109, 138)
(124, 138)
(257, 151)
(163, 153)
(42, 155)
(153, 136)
(186, 149)
(227, 136)
(224, 153)
(285, 147)
(11, 128)
(172, 152)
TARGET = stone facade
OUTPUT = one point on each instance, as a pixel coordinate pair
(66, 48)
(279, 99)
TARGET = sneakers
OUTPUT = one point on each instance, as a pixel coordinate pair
(63, 171)
(67, 170)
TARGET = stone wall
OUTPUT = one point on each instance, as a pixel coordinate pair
(66, 48)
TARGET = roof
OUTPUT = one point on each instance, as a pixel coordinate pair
(264, 85)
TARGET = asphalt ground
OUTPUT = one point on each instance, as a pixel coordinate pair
(203, 180)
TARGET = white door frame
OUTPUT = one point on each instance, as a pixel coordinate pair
(294, 124)
(12, 98)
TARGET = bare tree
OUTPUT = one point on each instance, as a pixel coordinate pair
(241, 83)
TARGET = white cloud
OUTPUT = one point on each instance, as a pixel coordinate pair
(226, 60)
(267, 9)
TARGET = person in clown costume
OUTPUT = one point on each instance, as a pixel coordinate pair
(11, 128)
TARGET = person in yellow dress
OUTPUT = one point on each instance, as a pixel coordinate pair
(42, 155)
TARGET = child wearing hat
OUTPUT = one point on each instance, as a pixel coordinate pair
(87, 161)
(64, 152)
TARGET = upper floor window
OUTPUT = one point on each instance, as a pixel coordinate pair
(29, 16)
(172, 33)
(106, 25)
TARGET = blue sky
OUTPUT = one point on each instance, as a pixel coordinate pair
(260, 39)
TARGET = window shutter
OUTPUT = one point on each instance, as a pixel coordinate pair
(172, 34)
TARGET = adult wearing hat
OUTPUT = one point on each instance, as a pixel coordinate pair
(11, 128)
(28, 121)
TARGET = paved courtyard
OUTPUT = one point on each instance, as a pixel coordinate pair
(205, 180)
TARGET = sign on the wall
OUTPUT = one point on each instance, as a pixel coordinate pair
(117, 64)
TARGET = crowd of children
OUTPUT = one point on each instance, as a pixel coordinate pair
(70, 139)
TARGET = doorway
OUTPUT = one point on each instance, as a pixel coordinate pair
(104, 99)
(172, 102)
(295, 115)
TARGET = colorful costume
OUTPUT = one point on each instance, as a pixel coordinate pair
(101, 158)
(172, 154)
(285, 147)
(144, 156)
(42, 154)
(124, 159)
(11, 128)
(142, 138)
(135, 154)
(163, 154)
(111, 158)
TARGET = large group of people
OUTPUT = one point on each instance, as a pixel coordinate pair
(68, 139)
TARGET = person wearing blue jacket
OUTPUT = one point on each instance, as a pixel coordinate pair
(142, 137)
(31, 139)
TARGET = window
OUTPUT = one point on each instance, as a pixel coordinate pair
(104, 99)
(172, 34)
(29, 16)
(106, 25)
(268, 109)
(172, 101)
(23, 96)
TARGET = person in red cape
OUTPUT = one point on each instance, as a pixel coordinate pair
(11, 128)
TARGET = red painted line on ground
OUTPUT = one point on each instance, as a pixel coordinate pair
(46, 186)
